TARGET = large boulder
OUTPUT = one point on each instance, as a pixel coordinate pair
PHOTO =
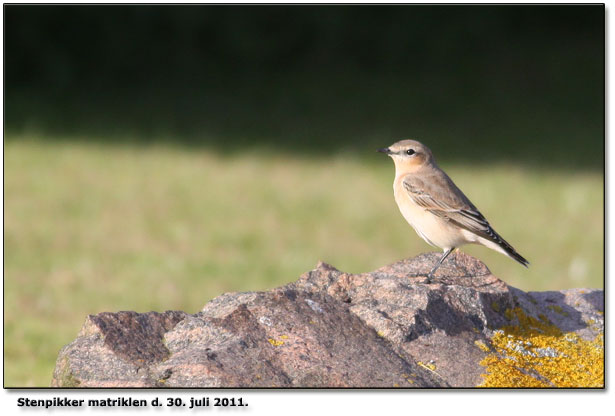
(387, 328)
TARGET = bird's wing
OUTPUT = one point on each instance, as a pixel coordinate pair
(439, 195)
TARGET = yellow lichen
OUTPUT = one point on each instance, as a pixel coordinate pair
(480, 344)
(558, 309)
(509, 314)
(495, 306)
(275, 342)
(538, 354)
(284, 336)
(380, 334)
(407, 377)
(428, 366)
(476, 330)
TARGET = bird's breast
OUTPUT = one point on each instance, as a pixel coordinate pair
(435, 230)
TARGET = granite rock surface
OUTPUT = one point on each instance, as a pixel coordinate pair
(387, 328)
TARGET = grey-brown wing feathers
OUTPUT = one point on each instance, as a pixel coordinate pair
(439, 195)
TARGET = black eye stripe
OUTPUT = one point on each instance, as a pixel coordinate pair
(410, 152)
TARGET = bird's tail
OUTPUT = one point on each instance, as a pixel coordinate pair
(505, 248)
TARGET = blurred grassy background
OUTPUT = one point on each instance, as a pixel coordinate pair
(156, 157)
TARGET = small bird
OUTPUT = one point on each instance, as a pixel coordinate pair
(433, 205)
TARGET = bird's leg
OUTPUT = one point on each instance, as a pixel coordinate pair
(444, 256)
(456, 254)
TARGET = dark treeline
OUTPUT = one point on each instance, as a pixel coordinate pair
(308, 77)
(126, 45)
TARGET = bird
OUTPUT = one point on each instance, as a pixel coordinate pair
(436, 208)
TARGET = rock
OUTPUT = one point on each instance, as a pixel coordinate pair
(387, 328)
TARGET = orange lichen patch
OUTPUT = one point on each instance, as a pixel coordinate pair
(538, 354)
(480, 344)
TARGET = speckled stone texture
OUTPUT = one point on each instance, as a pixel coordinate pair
(387, 328)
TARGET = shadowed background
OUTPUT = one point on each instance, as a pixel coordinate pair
(156, 157)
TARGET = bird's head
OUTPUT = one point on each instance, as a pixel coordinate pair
(408, 155)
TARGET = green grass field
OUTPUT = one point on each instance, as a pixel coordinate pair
(108, 227)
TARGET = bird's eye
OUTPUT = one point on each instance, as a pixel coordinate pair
(409, 152)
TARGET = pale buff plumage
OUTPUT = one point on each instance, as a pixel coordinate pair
(433, 205)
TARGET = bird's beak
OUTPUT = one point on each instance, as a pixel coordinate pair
(385, 150)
